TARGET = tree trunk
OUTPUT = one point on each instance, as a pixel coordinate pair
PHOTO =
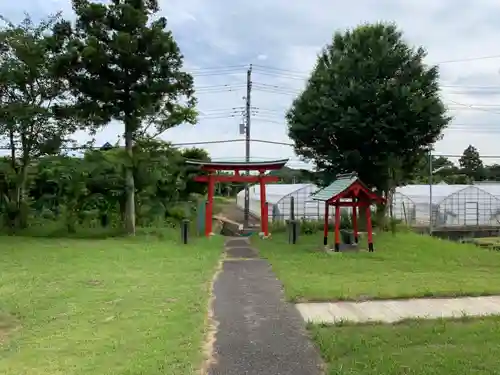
(129, 181)
(22, 203)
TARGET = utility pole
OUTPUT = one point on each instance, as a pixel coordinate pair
(247, 143)
(430, 193)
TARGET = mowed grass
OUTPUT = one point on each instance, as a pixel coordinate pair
(116, 306)
(403, 265)
(468, 346)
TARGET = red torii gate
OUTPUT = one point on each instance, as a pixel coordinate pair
(211, 178)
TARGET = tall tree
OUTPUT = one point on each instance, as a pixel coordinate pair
(471, 163)
(441, 168)
(30, 94)
(371, 105)
(124, 65)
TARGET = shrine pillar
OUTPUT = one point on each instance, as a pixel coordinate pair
(210, 204)
(264, 212)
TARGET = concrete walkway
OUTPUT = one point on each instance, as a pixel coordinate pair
(391, 311)
(258, 333)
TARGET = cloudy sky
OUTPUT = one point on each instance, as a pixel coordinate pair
(220, 38)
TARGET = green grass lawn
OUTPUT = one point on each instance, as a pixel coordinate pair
(468, 346)
(115, 306)
(403, 265)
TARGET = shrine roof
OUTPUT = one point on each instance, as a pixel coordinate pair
(342, 183)
(239, 165)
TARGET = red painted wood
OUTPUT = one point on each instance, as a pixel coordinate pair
(237, 178)
(211, 179)
(210, 205)
(242, 167)
(263, 207)
(357, 190)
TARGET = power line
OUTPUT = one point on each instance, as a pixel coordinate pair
(241, 67)
(469, 59)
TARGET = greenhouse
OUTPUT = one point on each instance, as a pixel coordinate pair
(452, 205)
(279, 201)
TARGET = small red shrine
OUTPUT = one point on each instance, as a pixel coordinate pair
(348, 191)
(211, 178)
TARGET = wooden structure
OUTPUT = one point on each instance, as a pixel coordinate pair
(211, 178)
(348, 191)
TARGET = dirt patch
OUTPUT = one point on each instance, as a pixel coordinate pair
(8, 325)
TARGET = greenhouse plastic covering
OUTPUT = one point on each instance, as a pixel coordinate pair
(278, 198)
(452, 205)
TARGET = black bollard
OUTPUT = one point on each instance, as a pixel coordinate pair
(184, 231)
(292, 231)
(292, 223)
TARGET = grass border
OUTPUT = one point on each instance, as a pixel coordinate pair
(211, 324)
(408, 297)
(455, 319)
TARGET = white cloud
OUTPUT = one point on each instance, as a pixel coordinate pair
(288, 35)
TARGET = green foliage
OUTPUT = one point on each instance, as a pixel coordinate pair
(307, 227)
(293, 176)
(29, 93)
(191, 171)
(123, 64)
(470, 169)
(471, 163)
(371, 105)
(88, 191)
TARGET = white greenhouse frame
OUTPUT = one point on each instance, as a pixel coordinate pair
(452, 205)
(278, 197)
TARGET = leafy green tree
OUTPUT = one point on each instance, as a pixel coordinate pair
(292, 176)
(492, 172)
(441, 168)
(29, 95)
(189, 172)
(124, 65)
(371, 105)
(471, 163)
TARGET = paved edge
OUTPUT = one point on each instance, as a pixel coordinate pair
(393, 311)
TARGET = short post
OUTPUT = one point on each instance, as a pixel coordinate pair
(184, 231)
(369, 227)
(265, 219)
(337, 227)
(293, 231)
(325, 228)
(355, 220)
(292, 224)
